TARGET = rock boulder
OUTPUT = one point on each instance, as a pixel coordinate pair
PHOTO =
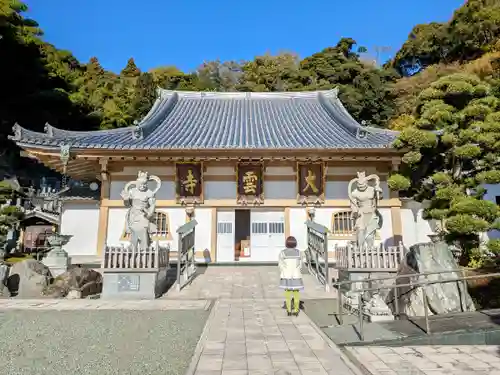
(76, 282)
(442, 298)
(28, 279)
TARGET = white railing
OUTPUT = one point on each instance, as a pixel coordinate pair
(377, 258)
(129, 258)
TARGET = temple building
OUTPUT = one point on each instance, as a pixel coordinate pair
(250, 167)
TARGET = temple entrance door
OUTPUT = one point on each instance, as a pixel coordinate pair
(268, 235)
(225, 236)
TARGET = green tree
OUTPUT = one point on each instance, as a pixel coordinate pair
(268, 73)
(131, 70)
(219, 76)
(453, 147)
(171, 78)
(473, 30)
(9, 215)
(364, 90)
(144, 96)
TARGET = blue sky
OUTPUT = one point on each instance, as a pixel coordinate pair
(184, 33)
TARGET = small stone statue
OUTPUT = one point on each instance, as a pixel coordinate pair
(141, 203)
(376, 307)
(364, 201)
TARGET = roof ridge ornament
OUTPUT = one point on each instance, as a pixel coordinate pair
(362, 132)
(18, 131)
(137, 131)
(48, 129)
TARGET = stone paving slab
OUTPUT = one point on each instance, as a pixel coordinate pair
(237, 282)
(98, 304)
(257, 337)
(429, 360)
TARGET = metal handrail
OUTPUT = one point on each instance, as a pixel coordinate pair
(412, 284)
(395, 277)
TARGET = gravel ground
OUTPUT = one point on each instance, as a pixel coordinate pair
(98, 342)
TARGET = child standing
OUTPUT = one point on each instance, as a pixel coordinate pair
(290, 264)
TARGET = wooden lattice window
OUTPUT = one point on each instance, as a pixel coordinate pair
(342, 224)
(162, 233)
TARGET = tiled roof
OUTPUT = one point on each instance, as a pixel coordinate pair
(238, 120)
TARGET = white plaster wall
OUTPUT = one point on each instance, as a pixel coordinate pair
(280, 171)
(177, 216)
(220, 190)
(156, 170)
(116, 222)
(492, 192)
(345, 171)
(386, 235)
(415, 230)
(298, 217)
(166, 192)
(338, 190)
(323, 216)
(82, 222)
(280, 189)
(220, 171)
(203, 235)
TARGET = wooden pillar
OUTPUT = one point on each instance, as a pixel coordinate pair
(397, 225)
(287, 222)
(213, 242)
(102, 231)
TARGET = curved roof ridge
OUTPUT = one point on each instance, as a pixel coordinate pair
(53, 132)
(329, 106)
(154, 108)
(371, 129)
(348, 121)
(21, 132)
(160, 110)
(247, 94)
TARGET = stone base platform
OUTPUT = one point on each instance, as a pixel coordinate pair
(469, 328)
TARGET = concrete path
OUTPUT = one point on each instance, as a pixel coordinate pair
(243, 282)
(250, 333)
(430, 360)
(256, 337)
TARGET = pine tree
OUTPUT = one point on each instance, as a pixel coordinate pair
(453, 148)
(94, 67)
(9, 215)
(131, 70)
(144, 96)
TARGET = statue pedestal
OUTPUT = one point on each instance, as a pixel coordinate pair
(57, 259)
(4, 272)
(58, 262)
(134, 275)
(377, 310)
(373, 310)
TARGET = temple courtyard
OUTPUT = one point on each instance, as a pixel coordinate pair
(229, 321)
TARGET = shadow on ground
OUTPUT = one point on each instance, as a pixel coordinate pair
(469, 328)
(168, 278)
